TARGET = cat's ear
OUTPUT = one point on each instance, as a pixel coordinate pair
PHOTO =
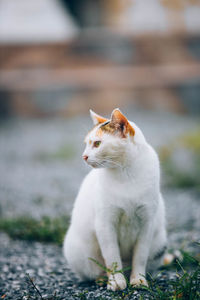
(121, 123)
(96, 118)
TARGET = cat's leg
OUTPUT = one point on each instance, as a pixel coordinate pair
(78, 250)
(151, 241)
(159, 240)
(148, 215)
(140, 254)
(158, 249)
(107, 237)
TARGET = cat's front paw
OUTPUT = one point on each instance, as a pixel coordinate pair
(116, 282)
(138, 280)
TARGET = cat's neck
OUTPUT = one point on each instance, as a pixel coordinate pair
(131, 167)
(135, 164)
(119, 174)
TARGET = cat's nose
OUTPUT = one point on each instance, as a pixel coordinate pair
(85, 157)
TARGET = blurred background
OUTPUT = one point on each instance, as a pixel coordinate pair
(58, 59)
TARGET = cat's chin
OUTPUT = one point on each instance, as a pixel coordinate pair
(95, 166)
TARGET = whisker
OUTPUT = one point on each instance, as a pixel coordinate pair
(113, 162)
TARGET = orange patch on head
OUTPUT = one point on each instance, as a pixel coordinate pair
(118, 125)
(108, 128)
(99, 132)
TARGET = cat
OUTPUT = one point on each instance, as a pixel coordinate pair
(119, 214)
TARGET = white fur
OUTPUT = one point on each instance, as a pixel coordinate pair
(119, 215)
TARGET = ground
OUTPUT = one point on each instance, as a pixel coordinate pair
(42, 170)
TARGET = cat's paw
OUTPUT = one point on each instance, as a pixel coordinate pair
(116, 282)
(138, 280)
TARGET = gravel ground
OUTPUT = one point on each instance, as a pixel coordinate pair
(47, 268)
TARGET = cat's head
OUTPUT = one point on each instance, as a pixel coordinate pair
(108, 142)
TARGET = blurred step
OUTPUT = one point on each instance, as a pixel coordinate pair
(100, 70)
(100, 48)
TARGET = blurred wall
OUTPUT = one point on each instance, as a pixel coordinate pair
(105, 54)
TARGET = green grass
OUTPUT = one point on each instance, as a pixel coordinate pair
(191, 140)
(182, 179)
(175, 175)
(185, 286)
(44, 230)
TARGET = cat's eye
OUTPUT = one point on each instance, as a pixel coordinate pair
(96, 144)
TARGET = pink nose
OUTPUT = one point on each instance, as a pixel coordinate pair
(85, 157)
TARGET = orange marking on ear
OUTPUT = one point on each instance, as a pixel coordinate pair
(101, 119)
(97, 119)
(118, 117)
(121, 123)
(131, 130)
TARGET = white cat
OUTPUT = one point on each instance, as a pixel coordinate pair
(119, 213)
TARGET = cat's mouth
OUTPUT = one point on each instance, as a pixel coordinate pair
(103, 164)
